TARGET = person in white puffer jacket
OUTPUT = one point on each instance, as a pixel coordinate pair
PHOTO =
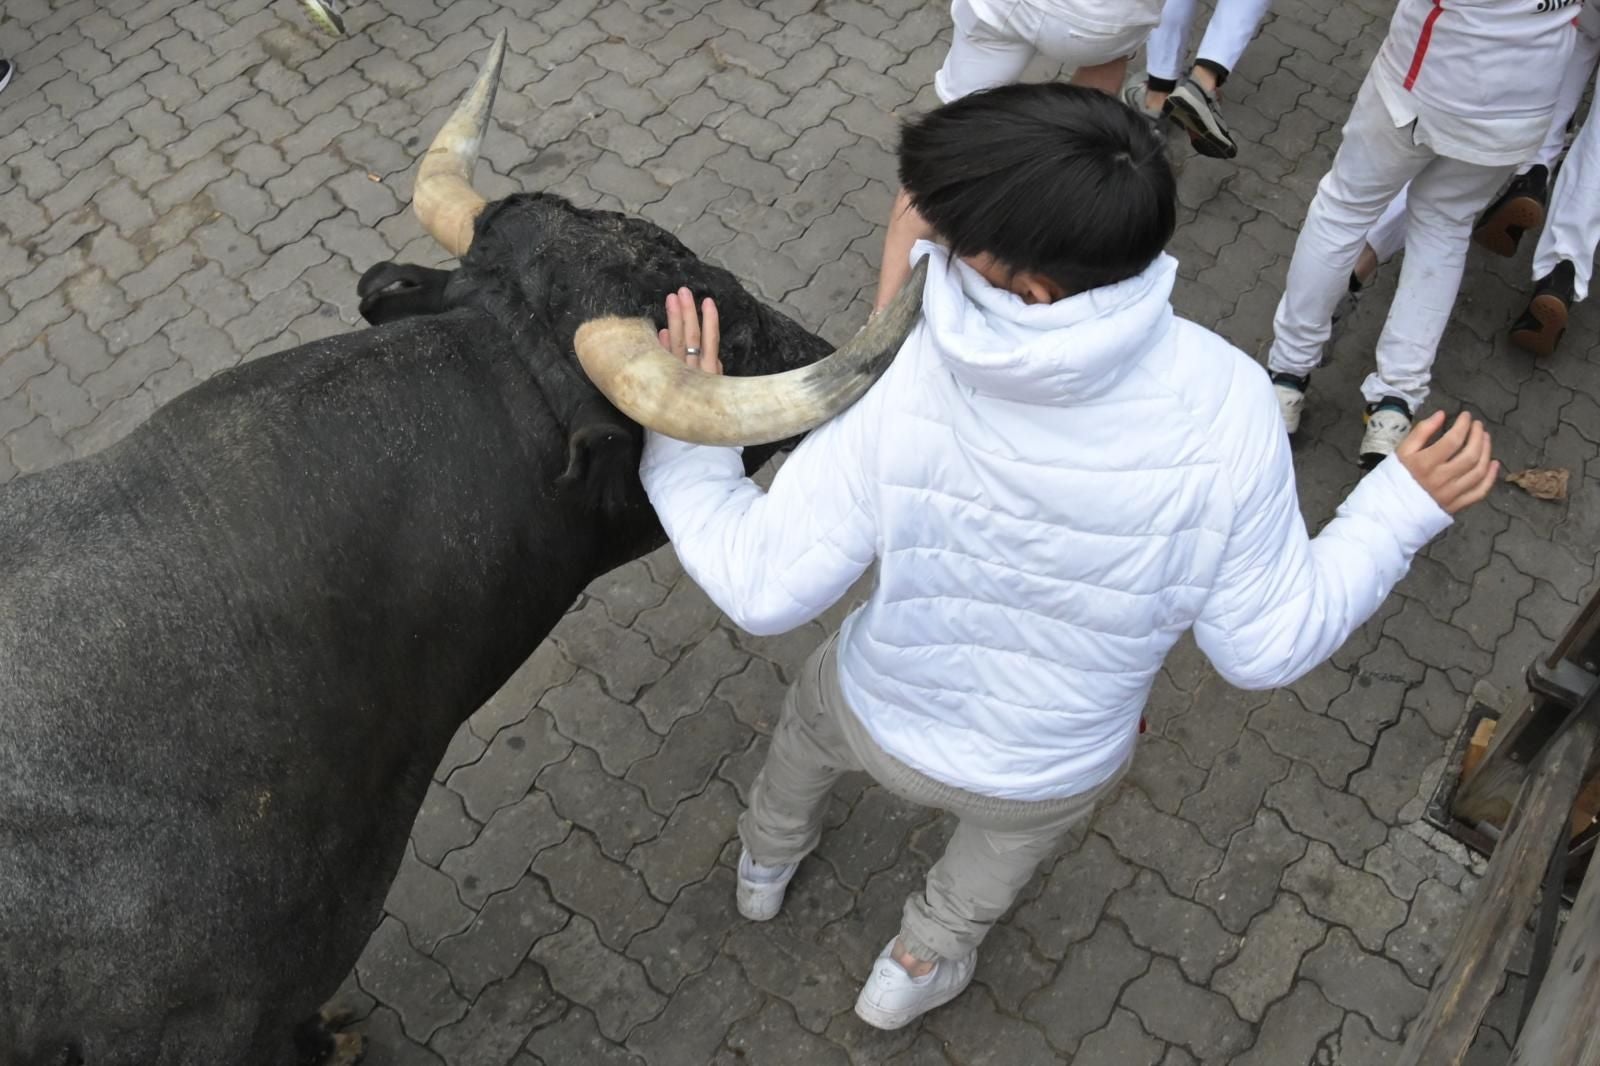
(1056, 478)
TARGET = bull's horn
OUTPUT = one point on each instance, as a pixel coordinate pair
(625, 360)
(443, 197)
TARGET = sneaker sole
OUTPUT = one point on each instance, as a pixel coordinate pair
(323, 19)
(7, 79)
(890, 1020)
(1502, 230)
(1205, 140)
(1552, 316)
(748, 908)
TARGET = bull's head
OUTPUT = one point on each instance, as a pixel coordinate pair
(622, 356)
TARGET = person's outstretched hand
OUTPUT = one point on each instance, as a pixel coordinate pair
(683, 336)
(1455, 468)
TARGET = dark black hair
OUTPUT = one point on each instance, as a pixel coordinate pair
(1051, 179)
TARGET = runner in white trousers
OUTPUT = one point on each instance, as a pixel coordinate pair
(1520, 209)
(1191, 99)
(1450, 107)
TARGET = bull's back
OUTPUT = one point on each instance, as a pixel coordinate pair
(232, 648)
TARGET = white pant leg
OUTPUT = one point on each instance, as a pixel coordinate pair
(1580, 69)
(1164, 50)
(1389, 235)
(1572, 225)
(1232, 27)
(1444, 201)
(980, 57)
(1373, 164)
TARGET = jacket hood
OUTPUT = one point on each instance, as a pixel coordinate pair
(1061, 353)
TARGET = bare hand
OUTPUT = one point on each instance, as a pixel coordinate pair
(683, 336)
(1456, 469)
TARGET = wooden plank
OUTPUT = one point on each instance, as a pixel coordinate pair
(1471, 972)
(1561, 1030)
(1477, 747)
(1487, 795)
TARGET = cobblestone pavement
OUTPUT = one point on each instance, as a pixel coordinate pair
(187, 184)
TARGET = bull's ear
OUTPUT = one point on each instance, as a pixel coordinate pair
(392, 291)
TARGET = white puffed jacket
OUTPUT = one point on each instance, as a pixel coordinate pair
(1053, 495)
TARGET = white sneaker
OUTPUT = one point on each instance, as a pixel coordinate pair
(761, 888)
(1291, 392)
(1388, 422)
(892, 998)
(325, 16)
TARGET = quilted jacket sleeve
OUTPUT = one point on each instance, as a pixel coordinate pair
(775, 560)
(1283, 601)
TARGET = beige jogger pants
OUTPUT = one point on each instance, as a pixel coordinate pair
(998, 843)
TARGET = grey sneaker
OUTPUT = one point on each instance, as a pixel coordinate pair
(1133, 95)
(324, 15)
(1196, 111)
(1388, 422)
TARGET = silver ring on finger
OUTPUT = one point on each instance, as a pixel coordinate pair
(692, 351)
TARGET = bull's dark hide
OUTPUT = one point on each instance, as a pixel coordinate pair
(234, 645)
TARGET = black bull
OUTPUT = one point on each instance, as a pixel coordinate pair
(234, 645)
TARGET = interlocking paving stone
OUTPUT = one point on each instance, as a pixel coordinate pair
(772, 1037)
(1182, 1013)
(1164, 773)
(614, 731)
(1087, 987)
(507, 767)
(1336, 818)
(587, 972)
(1296, 1029)
(1233, 790)
(609, 894)
(500, 1019)
(689, 843)
(1168, 845)
(576, 1039)
(417, 987)
(793, 968)
(1267, 962)
(684, 689)
(691, 932)
(1159, 921)
(502, 852)
(500, 935)
(1124, 1042)
(697, 1019)
(1420, 945)
(1337, 893)
(425, 901)
(613, 810)
(1314, 739)
(1075, 892)
(1369, 984)
(871, 836)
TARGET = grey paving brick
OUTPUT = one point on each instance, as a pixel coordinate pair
(1233, 791)
(1124, 1041)
(500, 936)
(974, 1031)
(507, 767)
(1086, 989)
(871, 836)
(575, 1038)
(691, 933)
(689, 843)
(1336, 818)
(388, 1038)
(1010, 968)
(1164, 773)
(1168, 845)
(772, 1036)
(1182, 1013)
(697, 1019)
(501, 1018)
(1317, 740)
(612, 987)
(503, 851)
(414, 986)
(614, 811)
(442, 825)
(1162, 923)
(1247, 881)
(1370, 985)
(1421, 943)
(621, 657)
(610, 895)
(1345, 896)
(1296, 1028)
(1266, 965)
(616, 732)
(1392, 778)
(684, 618)
(425, 902)
(1225, 709)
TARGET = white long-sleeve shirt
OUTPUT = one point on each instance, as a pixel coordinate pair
(1053, 495)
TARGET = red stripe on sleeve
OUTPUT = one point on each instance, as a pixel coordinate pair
(1422, 43)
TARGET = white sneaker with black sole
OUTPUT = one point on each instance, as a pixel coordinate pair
(1195, 109)
(1291, 392)
(6, 70)
(893, 999)
(761, 888)
(1388, 422)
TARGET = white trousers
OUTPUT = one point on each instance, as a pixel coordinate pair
(1389, 235)
(1374, 162)
(983, 55)
(1233, 25)
(1572, 225)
